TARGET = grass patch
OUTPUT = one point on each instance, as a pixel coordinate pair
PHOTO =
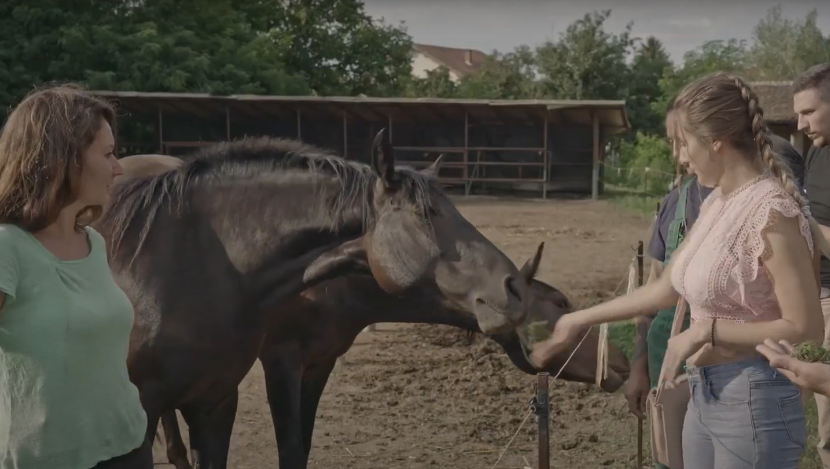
(621, 335)
(640, 203)
(810, 459)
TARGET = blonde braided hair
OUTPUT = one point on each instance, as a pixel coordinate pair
(721, 106)
(768, 157)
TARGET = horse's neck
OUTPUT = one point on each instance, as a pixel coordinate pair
(368, 304)
(262, 221)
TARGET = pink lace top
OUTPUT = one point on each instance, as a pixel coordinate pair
(721, 271)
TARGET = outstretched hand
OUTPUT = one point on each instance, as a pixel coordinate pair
(812, 376)
(565, 332)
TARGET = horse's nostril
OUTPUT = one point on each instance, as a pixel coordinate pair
(511, 285)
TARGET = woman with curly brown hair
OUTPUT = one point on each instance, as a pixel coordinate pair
(748, 269)
(66, 400)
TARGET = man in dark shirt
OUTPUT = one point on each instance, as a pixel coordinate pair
(788, 156)
(811, 102)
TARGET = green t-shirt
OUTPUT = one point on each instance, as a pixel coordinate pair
(66, 401)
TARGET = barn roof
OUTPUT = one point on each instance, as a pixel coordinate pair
(461, 61)
(776, 98)
(611, 114)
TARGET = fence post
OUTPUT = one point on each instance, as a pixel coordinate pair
(541, 407)
(640, 420)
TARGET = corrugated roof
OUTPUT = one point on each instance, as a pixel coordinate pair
(371, 109)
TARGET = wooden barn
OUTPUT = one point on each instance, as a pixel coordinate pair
(534, 145)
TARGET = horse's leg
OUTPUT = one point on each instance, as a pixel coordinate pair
(314, 382)
(211, 426)
(176, 450)
(283, 376)
(152, 400)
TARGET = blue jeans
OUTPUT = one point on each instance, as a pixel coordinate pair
(742, 415)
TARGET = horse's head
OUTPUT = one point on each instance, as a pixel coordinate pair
(546, 305)
(417, 235)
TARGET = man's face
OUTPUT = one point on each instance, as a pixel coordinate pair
(813, 109)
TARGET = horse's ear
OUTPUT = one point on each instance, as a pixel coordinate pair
(432, 170)
(383, 159)
(532, 265)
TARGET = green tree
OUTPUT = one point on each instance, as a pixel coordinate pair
(645, 164)
(587, 62)
(155, 45)
(649, 65)
(437, 84)
(725, 56)
(784, 48)
(334, 44)
(504, 76)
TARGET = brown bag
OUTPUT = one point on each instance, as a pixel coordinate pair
(667, 410)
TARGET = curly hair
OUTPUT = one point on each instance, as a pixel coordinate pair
(41, 155)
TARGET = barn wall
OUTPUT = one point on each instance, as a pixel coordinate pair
(570, 147)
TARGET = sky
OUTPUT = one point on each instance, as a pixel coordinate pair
(505, 24)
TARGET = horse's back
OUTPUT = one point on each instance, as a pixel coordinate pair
(146, 165)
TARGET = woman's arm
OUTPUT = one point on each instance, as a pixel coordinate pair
(792, 271)
(647, 299)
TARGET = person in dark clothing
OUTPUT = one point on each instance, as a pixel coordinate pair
(811, 102)
(789, 156)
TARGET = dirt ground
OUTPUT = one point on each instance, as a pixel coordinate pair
(420, 397)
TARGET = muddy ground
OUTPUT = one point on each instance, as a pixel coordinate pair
(420, 397)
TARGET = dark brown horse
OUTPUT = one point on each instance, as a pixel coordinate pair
(298, 359)
(208, 252)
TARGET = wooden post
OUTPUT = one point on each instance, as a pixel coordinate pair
(595, 175)
(466, 142)
(545, 159)
(299, 125)
(345, 137)
(639, 420)
(541, 408)
(227, 123)
(161, 134)
(389, 118)
(115, 136)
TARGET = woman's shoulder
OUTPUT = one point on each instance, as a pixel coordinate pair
(12, 238)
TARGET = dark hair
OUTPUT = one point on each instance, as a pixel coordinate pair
(815, 77)
(42, 145)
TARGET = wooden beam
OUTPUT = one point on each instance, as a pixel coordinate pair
(345, 136)
(545, 159)
(466, 139)
(227, 123)
(595, 159)
(161, 133)
(115, 136)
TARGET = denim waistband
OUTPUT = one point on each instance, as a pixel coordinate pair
(749, 366)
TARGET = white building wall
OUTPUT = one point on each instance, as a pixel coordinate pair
(421, 64)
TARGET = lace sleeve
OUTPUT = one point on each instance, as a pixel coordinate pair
(753, 248)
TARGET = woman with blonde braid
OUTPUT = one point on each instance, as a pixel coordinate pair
(748, 269)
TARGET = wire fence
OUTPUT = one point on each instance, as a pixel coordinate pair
(644, 180)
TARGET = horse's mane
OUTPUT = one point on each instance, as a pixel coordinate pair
(250, 160)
